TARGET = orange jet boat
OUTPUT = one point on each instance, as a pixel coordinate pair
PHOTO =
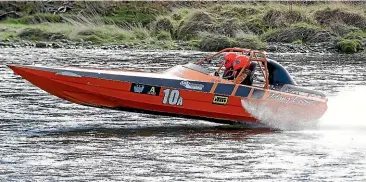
(258, 90)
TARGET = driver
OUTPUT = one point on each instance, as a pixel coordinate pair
(240, 61)
(229, 60)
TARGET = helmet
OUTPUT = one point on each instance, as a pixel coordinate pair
(240, 62)
(229, 59)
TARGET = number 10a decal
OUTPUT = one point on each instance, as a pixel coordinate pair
(172, 97)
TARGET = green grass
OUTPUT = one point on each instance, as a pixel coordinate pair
(100, 34)
(141, 14)
(359, 35)
(298, 42)
(298, 31)
(35, 19)
(349, 46)
(163, 35)
(131, 22)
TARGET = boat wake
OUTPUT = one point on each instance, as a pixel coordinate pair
(346, 111)
(283, 119)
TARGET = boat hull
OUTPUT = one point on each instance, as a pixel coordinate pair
(173, 97)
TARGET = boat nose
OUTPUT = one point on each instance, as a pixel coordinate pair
(11, 66)
(14, 68)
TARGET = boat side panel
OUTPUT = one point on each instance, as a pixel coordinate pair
(115, 91)
(117, 94)
(224, 89)
(192, 102)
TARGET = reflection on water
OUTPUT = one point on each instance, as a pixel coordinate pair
(222, 132)
(43, 138)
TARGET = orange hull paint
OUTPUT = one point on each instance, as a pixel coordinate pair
(117, 94)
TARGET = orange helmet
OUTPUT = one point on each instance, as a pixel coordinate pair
(240, 62)
(229, 59)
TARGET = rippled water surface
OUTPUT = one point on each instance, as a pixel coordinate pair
(43, 138)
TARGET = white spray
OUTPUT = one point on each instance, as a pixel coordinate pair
(283, 120)
(346, 110)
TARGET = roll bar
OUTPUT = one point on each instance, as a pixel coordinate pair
(257, 56)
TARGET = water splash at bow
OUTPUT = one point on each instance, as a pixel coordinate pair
(346, 110)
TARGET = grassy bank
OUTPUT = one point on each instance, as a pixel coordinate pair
(195, 25)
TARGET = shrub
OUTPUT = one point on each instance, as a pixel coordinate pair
(228, 27)
(177, 16)
(233, 10)
(180, 13)
(349, 46)
(105, 34)
(163, 24)
(297, 42)
(299, 31)
(329, 17)
(37, 19)
(119, 37)
(87, 32)
(131, 15)
(38, 34)
(141, 33)
(93, 38)
(193, 24)
(275, 18)
(194, 43)
(214, 42)
(358, 35)
(256, 25)
(163, 35)
(248, 41)
(342, 29)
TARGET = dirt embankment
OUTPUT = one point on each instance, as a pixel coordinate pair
(207, 26)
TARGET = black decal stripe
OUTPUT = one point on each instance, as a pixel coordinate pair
(145, 89)
(257, 94)
(243, 91)
(224, 89)
(163, 82)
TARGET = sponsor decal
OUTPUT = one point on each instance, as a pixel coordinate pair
(172, 97)
(281, 98)
(220, 100)
(292, 91)
(193, 86)
(138, 88)
(145, 89)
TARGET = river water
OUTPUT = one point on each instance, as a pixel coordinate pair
(43, 138)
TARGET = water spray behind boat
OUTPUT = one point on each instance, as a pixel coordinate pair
(277, 117)
(346, 110)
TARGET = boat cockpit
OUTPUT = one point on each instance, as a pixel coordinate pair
(255, 71)
(241, 66)
(256, 68)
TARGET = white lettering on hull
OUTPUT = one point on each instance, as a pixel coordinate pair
(296, 99)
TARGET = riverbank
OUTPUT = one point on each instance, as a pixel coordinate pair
(206, 26)
(176, 45)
